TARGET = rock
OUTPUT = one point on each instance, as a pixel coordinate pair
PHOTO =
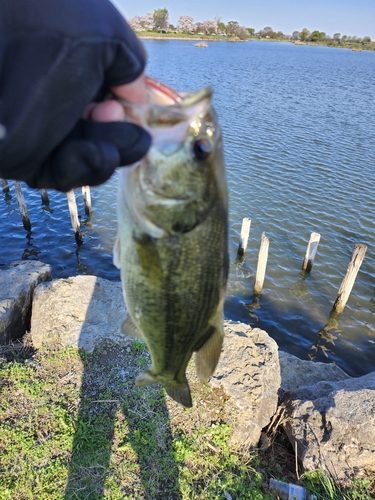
(85, 310)
(17, 284)
(81, 311)
(333, 424)
(296, 372)
(249, 373)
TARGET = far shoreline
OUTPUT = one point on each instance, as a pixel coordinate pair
(354, 47)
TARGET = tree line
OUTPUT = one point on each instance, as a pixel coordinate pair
(158, 21)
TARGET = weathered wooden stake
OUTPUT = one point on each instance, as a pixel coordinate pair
(262, 263)
(74, 214)
(5, 185)
(312, 247)
(22, 206)
(87, 200)
(245, 231)
(44, 195)
(348, 281)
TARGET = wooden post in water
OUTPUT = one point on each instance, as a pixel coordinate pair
(22, 206)
(73, 211)
(245, 231)
(312, 247)
(262, 263)
(348, 281)
(44, 195)
(87, 200)
(5, 185)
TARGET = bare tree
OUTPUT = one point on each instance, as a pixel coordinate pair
(242, 33)
(296, 35)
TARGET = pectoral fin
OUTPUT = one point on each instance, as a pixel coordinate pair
(117, 253)
(208, 355)
(130, 329)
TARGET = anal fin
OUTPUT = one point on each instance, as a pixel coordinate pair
(208, 355)
(146, 378)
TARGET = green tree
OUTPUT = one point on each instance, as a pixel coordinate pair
(251, 31)
(221, 28)
(315, 36)
(161, 19)
(366, 39)
(304, 34)
(232, 27)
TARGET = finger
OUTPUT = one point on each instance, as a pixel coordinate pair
(108, 111)
(135, 91)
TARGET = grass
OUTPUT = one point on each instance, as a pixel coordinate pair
(74, 426)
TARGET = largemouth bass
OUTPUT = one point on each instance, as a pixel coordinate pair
(172, 244)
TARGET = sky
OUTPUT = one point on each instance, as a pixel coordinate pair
(348, 17)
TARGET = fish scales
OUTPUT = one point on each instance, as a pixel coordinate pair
(174, 280)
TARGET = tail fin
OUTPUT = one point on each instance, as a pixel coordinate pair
(179, 391)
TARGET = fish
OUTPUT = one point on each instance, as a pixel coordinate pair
(172, 237)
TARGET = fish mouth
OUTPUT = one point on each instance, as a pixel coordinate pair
(165, 106)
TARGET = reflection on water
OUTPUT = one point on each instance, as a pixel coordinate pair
(300, 155)
(31, 252)
(325, 336)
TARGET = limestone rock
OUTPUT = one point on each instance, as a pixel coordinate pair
(333, 424)
(17, 284)
(85, 310)
(81, 311)
(249, 373)
(296, 372)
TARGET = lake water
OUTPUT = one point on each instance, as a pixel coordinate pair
(299, 138)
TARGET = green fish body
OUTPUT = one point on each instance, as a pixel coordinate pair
(172, 243)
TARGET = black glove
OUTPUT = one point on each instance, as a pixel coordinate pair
(57, 56)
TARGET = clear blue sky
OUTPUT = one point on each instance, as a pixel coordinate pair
(348, 17)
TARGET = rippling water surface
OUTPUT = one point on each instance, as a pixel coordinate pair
(299, 139)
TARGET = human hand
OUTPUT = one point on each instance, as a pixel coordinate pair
(58, 57)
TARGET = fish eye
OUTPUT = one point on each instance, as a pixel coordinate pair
(202, 149)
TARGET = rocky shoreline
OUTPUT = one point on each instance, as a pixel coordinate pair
(328, 416)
